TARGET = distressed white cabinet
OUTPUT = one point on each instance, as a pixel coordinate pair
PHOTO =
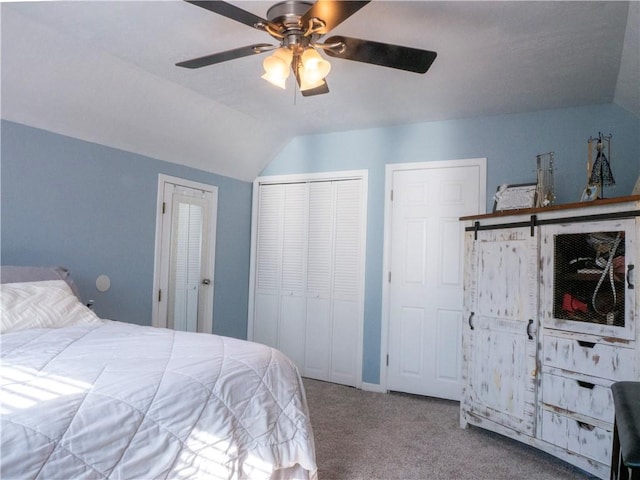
(552, 311)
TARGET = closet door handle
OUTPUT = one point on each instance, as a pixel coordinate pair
(470, 322)
(529, 329)
(630, 285)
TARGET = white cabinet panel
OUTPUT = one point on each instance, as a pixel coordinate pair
(576, 436)
(292, 326)
(344, 348)
(266, 317)
(414, 252)
(579, 395)
(411, 333)
(500, 335)
(589, 358)
(448, 330)
(318, 339)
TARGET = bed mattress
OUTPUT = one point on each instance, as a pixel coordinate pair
(115, 400)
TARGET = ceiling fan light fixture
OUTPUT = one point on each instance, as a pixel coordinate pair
(314, 68)
(277, 67)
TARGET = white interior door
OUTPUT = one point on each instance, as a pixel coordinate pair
(185, 250)
(426, 276)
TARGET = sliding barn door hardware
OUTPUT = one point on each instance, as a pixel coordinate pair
(534, 222)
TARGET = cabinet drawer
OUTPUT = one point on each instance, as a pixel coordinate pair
(578, 396)
(594, 359)
(577, 437)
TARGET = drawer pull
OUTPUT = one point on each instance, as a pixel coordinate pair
(529, 329)
(471, 323)
(584, 344)
(585, 426)
(586, 384)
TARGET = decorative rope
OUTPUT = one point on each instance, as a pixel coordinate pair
(607, 269)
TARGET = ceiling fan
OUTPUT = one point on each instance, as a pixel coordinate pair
(297, 26)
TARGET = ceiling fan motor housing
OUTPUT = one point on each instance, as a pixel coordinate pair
(285, 25)
(288, 13)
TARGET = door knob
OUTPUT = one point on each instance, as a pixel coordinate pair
(206, 281)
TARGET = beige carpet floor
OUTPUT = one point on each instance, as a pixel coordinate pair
(367, 436)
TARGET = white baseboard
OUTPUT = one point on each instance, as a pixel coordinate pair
(373, 387)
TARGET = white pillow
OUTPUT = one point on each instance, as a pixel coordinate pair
(47, 304)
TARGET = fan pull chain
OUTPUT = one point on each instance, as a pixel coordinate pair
(295, 89)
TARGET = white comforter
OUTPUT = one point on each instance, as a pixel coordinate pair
(115, 400)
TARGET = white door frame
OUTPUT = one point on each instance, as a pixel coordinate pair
(310, 177)
(481, 163)
(208, 308)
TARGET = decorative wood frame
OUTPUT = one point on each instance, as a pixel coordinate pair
(515, 197)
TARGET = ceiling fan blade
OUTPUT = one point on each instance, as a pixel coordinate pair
(383, 54)
(231, 11)
(324, 88)
(332, 13)
(226, 55)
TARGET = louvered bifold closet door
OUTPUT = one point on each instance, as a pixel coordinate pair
(268, 265)
(319, 274)
(347, 281)
(293, 292)
(308, 277)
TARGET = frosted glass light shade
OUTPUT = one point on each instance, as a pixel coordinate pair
(305, 83)
(276, 67)
(314, 67)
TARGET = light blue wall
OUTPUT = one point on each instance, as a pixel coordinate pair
(510, 143)
(93, 209)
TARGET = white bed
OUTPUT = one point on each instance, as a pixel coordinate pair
(83, 397)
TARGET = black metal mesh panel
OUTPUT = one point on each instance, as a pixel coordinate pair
(588, 284)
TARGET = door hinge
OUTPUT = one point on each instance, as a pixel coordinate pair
(392, 195)
(159, 295)
(389, 276)
(387, 360)
(164, 207)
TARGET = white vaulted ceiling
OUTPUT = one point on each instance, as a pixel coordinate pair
(105, 72)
